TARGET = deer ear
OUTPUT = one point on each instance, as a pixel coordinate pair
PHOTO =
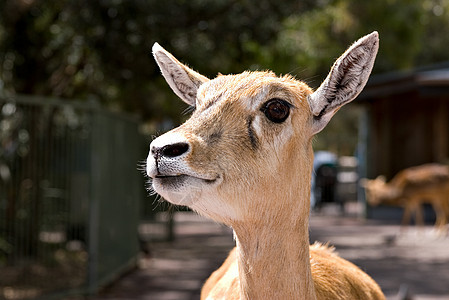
(345, 81)
(182, 80)
(381, 178)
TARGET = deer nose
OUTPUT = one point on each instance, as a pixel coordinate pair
(170, 151)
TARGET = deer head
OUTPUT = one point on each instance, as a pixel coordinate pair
(377, 190)
(246, 151)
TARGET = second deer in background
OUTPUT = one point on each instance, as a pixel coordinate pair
(411, 188)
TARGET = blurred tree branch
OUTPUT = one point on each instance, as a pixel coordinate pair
(102, 49)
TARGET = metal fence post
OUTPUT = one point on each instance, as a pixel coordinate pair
(93, 237)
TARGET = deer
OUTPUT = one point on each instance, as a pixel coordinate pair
(411, 188)
(244, 159)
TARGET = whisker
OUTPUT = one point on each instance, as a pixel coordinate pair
(142, 167)
(154, 136)
(188, 110)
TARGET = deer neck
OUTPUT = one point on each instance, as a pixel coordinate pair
(273, 250)
(274, 264)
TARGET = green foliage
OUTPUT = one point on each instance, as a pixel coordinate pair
(101, 50)
(311, 40)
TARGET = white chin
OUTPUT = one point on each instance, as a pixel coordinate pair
(180, 190)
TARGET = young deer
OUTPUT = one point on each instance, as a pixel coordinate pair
(244, 158)
(411, 188)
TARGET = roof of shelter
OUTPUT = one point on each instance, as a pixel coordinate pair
(428, 81)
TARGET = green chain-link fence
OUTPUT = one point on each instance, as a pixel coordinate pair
(69, 197)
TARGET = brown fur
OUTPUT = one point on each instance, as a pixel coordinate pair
(328, 278)
(239, 167)
(411, 188)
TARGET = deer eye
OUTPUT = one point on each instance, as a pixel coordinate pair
(276, 110)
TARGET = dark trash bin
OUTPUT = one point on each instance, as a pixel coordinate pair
(325, 184)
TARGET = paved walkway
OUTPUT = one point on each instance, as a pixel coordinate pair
(176, 270)
(413, 259)
(417, 260)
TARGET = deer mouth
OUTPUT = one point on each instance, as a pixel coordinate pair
(181, 189)
(173, 180)
(170, 181)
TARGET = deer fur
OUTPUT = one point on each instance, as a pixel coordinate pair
(244, 158)
(411, 188)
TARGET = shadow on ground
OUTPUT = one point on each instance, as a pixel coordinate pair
(418, 259)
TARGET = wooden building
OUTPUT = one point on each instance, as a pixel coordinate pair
(406, 120)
